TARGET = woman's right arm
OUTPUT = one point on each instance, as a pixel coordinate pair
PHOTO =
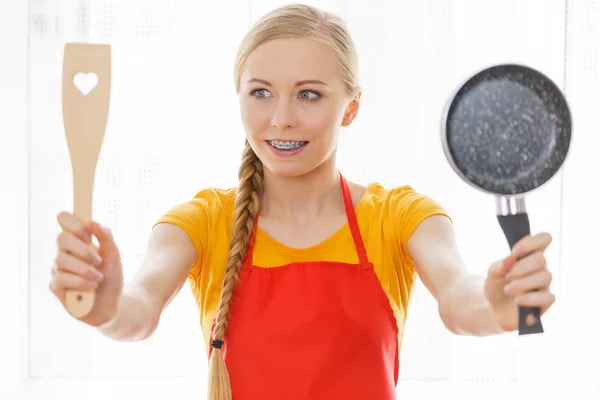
(128, 311)
(169, 258)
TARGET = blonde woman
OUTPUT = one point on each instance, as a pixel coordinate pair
(302, 278)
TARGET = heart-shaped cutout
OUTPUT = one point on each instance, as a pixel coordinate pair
(85, 83)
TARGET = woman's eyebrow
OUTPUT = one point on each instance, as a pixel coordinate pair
(299, 83)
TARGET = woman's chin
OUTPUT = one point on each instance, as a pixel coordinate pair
(287, 169)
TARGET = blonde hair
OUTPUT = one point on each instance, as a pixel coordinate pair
(295, 20)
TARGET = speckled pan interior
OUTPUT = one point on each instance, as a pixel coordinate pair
(508, 129)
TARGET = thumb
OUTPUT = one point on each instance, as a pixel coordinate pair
(500, 268)
(104, 236)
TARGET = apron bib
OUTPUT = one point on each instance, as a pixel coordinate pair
(312, 330)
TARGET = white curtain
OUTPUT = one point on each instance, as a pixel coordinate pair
(174, 129)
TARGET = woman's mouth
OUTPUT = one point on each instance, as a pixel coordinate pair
(286, 145)
(286, 148)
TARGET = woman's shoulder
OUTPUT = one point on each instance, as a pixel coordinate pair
(402, 202)
(215, 197)
(395, 211)
(204, 205)
(376, 194)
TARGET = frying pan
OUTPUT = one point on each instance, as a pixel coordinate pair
(506, 131)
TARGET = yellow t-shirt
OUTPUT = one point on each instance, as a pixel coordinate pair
(386, 218)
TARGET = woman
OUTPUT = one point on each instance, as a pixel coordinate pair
(304, 297)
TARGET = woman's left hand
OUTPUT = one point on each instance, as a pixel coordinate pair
(521, 279)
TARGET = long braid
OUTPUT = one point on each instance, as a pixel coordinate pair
(251, 177)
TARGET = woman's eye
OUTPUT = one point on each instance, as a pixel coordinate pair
(261, 93)
(309, 95)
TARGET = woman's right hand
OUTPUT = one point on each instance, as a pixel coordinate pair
(81, 265)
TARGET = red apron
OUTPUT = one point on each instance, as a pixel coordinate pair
(312, 330)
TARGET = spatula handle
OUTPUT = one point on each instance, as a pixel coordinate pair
(79, 303)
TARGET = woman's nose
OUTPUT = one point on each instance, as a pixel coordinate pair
(283, 117)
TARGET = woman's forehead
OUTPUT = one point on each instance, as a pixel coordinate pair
(287, 60)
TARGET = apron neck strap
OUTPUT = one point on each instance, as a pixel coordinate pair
(353, 222)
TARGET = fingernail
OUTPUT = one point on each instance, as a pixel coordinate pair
(98, 259)
(98, 275)
(509, 287)
(92, 284)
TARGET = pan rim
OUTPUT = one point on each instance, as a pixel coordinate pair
(450, 101)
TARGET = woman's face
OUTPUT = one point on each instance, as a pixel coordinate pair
(293, 104)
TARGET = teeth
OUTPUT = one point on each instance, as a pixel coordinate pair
(285, 145)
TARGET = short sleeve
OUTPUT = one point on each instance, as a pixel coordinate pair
(192, 217)
(413, 208)
(409, 209)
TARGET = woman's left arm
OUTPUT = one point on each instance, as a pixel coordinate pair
(476, 305)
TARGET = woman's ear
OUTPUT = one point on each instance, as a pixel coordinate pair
(351, 110)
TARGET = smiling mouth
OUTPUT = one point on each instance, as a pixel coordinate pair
(286, 145)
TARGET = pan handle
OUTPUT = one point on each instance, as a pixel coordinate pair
(516, 227)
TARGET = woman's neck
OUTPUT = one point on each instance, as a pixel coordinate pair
(304, 197)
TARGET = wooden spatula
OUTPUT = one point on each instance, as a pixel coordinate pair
(85, 101)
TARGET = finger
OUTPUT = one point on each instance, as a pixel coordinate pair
(542, 300)
(71, 264)
(538, 281)
(103, 234)
(70, 223)
(502, 267)
(105, 240)
(69, 243)
(527, 265)
(530, 244)
(66, 281)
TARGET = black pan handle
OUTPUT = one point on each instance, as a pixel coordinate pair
(516, 227)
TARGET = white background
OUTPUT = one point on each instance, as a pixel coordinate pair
(174, 128)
